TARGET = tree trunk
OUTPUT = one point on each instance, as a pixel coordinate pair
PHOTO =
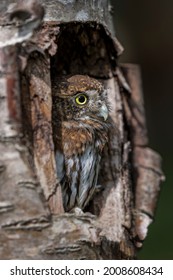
(76, 37)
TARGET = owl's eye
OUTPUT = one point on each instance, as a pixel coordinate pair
(81, 99)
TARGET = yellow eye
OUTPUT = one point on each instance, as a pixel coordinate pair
(81, 99)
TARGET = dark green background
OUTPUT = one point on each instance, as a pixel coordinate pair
(145, 29)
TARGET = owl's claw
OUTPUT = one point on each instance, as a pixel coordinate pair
(77, 211)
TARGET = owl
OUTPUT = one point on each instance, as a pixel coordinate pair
(80, 129)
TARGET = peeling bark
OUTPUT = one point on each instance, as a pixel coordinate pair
(33, 224)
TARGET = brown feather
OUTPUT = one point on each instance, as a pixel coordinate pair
(78, 83)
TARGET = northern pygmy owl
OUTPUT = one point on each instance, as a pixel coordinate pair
(80, 124)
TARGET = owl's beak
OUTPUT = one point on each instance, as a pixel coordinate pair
(103, 112)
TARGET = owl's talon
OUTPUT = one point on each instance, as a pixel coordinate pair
(77, 211)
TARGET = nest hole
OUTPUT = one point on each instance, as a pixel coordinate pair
(85, 49)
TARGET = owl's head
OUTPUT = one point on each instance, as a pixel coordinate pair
(78, 98)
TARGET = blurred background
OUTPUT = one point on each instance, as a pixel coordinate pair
(145, 29)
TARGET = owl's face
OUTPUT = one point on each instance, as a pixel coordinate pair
(80, 98)
(83, 105)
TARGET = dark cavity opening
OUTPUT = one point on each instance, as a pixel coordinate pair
(84, 48)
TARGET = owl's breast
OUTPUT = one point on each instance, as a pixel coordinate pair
(77, 160)
(78, 175)
(74, 141)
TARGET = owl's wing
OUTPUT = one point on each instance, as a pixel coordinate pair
(89, 165)
(78, 175)
(60, 165)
